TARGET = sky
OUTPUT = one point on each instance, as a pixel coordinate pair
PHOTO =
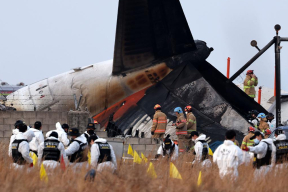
(40, 39)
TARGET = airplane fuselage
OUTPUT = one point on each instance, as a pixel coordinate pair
(99, 88)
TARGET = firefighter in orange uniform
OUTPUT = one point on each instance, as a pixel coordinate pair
(181, 129)
(159, 123)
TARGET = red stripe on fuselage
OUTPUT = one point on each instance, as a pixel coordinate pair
(119, 109)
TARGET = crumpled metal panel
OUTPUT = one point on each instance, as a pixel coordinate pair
(187, 86)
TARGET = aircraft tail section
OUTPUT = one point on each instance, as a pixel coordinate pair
(218, 106)
(149, 30)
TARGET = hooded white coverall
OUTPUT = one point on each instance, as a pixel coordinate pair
(199, 149)
(261, 150)
(272, 124)
(23, 149)
(50, 163)
(62, 135)
(27, 135)
(175, 152)
(39, 138)
(280, 137)
(95, 154)
(228, 157)
(74, 147)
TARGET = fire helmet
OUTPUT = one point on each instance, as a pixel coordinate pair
(268, 132)
(249, 72)
(261, 115)
(251, 129)
(178, 110)
(157, 107)
(188, 108)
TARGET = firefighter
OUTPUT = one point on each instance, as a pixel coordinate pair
(228, 156)
(181, 129)
(267, 133)
(77, 147)
(191, 125)
(249, 84)
(266, 154)
(39, 138)
(65, 126)
(90, 130)
(20, 149)
(271, 121)
(263, 125)
(191, 120)
(248, 140)
(279, 135)
(201, 149)
(168, 148)
(102, 154)
(159, 123)
(50, 151)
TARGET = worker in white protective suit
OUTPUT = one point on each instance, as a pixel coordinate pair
(102, 155)
(51, 151)
(271, 121)
(266, 154)
(77, 149)
(168, 149)
(62, 135)
(20, 149)
(279, 135)
(228, 156)
(201, 150)
(39, 138)
(28, 134)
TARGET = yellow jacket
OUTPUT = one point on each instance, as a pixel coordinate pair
(249, 86)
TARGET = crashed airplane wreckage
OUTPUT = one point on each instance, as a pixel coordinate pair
(156, 60)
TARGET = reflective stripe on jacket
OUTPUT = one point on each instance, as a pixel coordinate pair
(246, 140)
(159, 122)
(263, 125)
(249, 86)
(191, 122)
(181, 125)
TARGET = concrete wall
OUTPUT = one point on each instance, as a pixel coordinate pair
(147, 146)
(74, 119)
(48, 119)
